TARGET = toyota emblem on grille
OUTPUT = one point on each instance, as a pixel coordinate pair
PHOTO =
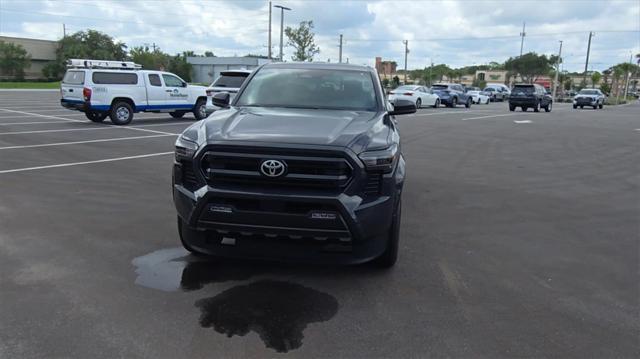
(273, 168)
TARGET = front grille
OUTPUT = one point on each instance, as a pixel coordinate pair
(313, 169)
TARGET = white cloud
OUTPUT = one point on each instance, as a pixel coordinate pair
(240, 27)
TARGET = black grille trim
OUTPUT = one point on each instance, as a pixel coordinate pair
(312, 169)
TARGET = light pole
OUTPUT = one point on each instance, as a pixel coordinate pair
(282, 9)
(269, 56)
(555, 81)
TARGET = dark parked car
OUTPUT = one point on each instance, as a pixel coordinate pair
(304, 164)
(589, 97)
(452, 95)
(530, 96)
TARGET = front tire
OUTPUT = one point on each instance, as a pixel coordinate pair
(512, 108)
(548, 108)
(95, 116)
(121, 113)
(390, 255)
(575, 107)
(467, 104)
(536, 108)
(177, 114)
(199, 110)
(418, 103)
(601, 105)
(437, 103)
(454, 102)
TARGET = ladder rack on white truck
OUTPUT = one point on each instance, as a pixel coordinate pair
(102, 64)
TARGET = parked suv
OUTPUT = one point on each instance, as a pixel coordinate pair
(530, 96)
(119, 89)
(304, 164)
(452, 95)
(497, 92)
(589, 97)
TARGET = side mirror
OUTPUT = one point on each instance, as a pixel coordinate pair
(184, 84)
(403, 107)
(221, 99)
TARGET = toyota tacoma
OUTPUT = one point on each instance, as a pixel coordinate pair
(304, 164)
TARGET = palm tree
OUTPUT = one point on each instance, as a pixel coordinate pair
(617, 74)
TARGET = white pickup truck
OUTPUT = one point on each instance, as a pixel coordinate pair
(119, 89)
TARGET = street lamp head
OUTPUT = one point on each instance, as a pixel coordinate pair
(281, 7)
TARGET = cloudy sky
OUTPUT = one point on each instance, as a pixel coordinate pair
(458, 33)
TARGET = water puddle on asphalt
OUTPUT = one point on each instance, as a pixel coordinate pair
(278, 311)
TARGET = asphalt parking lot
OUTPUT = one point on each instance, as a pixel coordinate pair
(519, 238)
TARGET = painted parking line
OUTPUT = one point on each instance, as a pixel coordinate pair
(41, 115)
(86, 162)
(30, 123)
(82, 142)
(135, 128)
(491, 116)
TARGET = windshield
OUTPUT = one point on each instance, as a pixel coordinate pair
(489, 89)
(230, 80)
(473, 92)
(439, 87)
(588, 92)
(310, 88)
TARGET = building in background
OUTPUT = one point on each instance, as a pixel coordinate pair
(207, 69)
(385, 67)
(42, 52)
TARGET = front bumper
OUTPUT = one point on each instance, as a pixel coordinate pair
(279, 225)
(585, 102)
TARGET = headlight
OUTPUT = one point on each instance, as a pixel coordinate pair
(185, 149)
(381, 160)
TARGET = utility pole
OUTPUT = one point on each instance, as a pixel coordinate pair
(64, 30)
(555, 81)
(340, 52)
(628, 74)
(406, 52)
(269, 52)
(522, 35)
(586, 64)
(430, 72)
(154, 46)
(282, 9)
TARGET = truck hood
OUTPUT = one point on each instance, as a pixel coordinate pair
(342, 128)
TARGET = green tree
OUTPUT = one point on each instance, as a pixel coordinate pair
(595, 78)
(90, 44)
(209, 54)
(530, 65)
(13, 60)
(395, 81)
(150, 60)
(568, 84)
(178, 65)
(385, 82)
(605, 88)
(302, 40)
(479, 83)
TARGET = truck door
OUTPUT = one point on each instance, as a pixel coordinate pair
(156, 95)
(177, 96)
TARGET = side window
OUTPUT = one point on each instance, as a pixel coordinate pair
(154, 80)
(171, 81)
(114, 78)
